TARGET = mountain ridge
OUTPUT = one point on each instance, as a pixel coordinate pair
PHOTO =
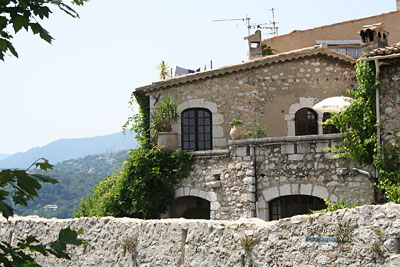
(71, 148)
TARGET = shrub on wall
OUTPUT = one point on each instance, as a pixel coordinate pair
(145, 185)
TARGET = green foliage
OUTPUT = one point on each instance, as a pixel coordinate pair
(24, 187)
(358, 122)
(258, 131)
(145, 185)
(237, 122)
(76, 178)
(142, 189)
(140, 121)
(18, 14)
(334, 206)
(388, 166)
(165, 70)
(164, 116)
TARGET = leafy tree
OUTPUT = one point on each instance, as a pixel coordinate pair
(18, 14)
(23, 188)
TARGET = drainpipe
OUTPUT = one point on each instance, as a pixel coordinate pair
(377, 95)
(255, 179)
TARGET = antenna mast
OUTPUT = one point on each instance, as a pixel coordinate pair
(246, 20)
(270, 26)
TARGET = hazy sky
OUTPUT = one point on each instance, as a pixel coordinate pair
(80, 85)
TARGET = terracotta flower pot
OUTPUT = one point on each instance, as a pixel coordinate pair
(168, 140)
(236, 132)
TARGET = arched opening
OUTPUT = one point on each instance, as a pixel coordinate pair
(306, 122)
(328, 128)
(190, 207)
(196, 129)
(292, 205)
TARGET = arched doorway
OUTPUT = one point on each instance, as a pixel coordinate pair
(190, 207)
(292, 205)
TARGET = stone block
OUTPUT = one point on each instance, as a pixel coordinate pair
(241, 151)
(251, 188)
(216, 172)
(218, 131)
(333, 183)
(215, 205)
(321, 147)
(215, 184)
(295, 189)
(219, 142)
(306, 102)
(179, 193)
(320, 192)
(287, 149)
(305, 189)
(203, 195)
(294, 108)
(196, 103)
(271, 193)
(249, 180)
(210, 106)
(296, 157)
(194, 192)
(212, 196)
(303, 148)
(334, 198)
(285, 190)
(289, 117)
(183, 106)
(217, 119)
(186, 191)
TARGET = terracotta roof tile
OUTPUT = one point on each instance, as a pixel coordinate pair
(384, 51)
(258, 62)
(331, 25)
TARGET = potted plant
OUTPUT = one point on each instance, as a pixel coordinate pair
(236, 129)
(163, 117)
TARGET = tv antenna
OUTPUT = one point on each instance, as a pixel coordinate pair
(246, 20)
(269, 26)
(272, 25)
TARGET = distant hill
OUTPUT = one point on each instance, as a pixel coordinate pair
(65, 149)
(76, 179)
(2, 156)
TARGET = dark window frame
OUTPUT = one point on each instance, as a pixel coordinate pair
(283, 207)
(196, 129)
(306, 122)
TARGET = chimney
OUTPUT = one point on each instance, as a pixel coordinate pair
(255, 48)
(373, 36)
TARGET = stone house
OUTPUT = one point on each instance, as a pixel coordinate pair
(287, 173)
(342, 36)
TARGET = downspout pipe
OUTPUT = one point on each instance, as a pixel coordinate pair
(377, 95)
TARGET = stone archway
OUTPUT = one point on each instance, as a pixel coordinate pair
(190, 207)
(208, 196)
(287, 190)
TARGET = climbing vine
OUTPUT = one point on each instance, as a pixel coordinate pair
(359, 125)
(145, 185)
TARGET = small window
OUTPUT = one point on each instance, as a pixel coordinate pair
(288, 206)
(328, 129)
(196, 129)
(306, 122)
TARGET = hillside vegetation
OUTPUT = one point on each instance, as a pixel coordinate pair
(76, 179)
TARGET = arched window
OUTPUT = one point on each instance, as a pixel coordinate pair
(190, 207)
(328, 129)
(288, 206)
(306, 122)
(196, 129)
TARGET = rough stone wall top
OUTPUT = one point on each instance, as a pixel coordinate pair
(366, 236)
(384, 51)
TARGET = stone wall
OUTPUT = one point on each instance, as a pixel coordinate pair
(270, 94)
(390, 99)
(241, 185)
(372, 234)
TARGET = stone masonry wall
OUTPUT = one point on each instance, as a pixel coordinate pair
(269, 94)
(372, 234)
(284, 166)
(390, 99)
